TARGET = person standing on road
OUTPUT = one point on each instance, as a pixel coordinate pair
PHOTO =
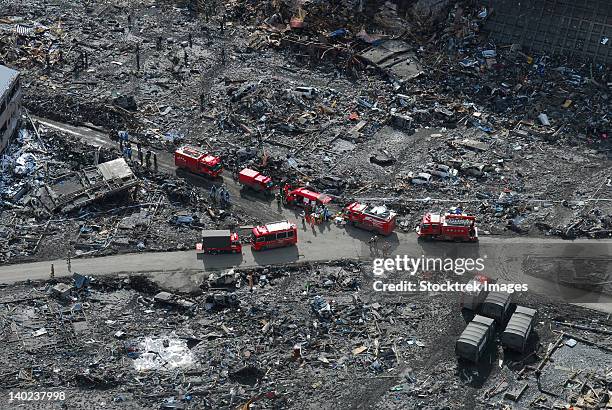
(213, 193)
(373, 243)
(386, 248)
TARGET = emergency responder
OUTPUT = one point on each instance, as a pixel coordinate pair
(52, 271)
(303, 216)
(155, 161)
(386, 248)
(140, 154)
(226, 198)
(213, 193)
(373, 243)
(221, 193)
(326, 214)
(279, 200)
(148, 158)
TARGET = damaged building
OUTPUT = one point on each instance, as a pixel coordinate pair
(78, 189)
(10, 104)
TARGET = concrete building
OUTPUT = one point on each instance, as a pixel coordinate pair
(10, 103)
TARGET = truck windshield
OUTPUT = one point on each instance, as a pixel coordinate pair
(216, 167)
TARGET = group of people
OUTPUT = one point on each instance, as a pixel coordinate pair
(126, 150)
(315, 216)
(220, 195)
(373, 243)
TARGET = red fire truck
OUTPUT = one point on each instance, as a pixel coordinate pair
(448, 227)
(304, 197)
(219, 241)
(255, 180)
(371, 218)
(274, 235)
(198, 161)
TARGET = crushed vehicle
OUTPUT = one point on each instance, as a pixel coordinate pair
(475, 339)
(519, 328)
(371, 218)
(448, 227)
(422, 178)
(219, 241)
(255, 181)
(197, 161)
(274, 235)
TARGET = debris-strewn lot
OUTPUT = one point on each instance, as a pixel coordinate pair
(314, 336)
(355, 101)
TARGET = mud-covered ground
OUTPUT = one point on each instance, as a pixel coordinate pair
(371, 350)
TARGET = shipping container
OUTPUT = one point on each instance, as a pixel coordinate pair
(519, 329)
(475, 339)
(496, 306)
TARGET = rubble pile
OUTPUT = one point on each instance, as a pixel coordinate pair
(352, 97)
(277, 337)
(42, 218)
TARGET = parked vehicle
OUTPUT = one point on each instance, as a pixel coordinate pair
(304, 197)
(448, 227)
(475, 339)
(519, 329)
(496, 306)
(274, 235)
(219, 241)
(197, 161)
(255, 180)
(371, 218)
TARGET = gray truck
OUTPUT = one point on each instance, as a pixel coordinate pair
(496, 306)
(519, 329)
(475, 339)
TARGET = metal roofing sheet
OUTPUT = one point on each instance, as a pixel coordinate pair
(7, 76)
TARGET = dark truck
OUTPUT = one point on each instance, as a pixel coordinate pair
(475, 339)
(496, 306)
(219, 241)
(519, 329)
